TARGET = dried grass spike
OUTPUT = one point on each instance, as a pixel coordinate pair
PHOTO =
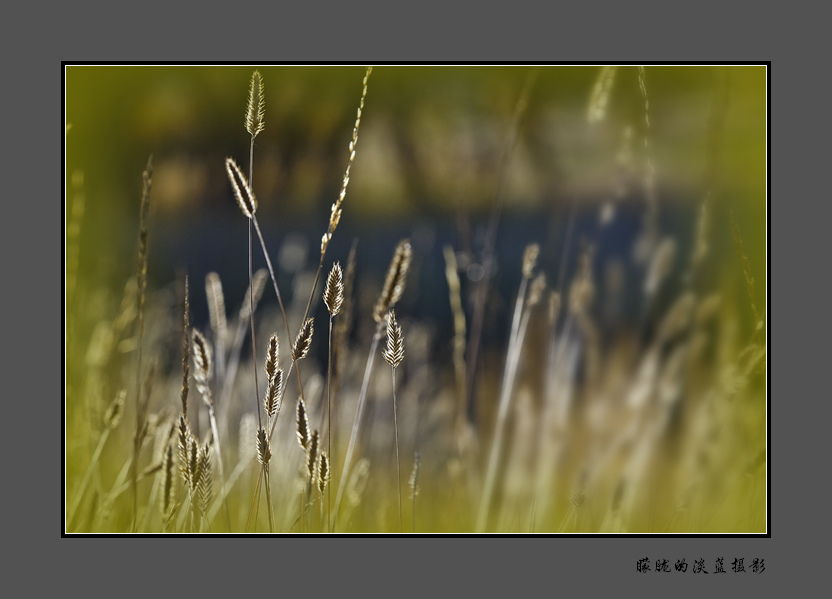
(395, 280)
(530, 260)
(184, 441)
(264, 451)
(334, 290)
(202, 364)
(272, 400)
(537, 288)
(273, 357)
(194, 464)
(323, 471)
(116, 408)
(394, 352)
(303, 341)
(205, 480)
(242, 191)
(186, 353)
(312, 453)
(167, 499)
(303, 424)
(255, 113)
(335, 216)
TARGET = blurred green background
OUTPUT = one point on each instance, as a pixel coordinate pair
(429, 147)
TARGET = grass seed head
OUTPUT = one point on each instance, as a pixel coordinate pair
(394, 352)
(272, 400)
(202, 364)
(273, 357)
(303, 341)
(537, 289)
(264, 451)
(116, 408)
(302, 421)
(530, 260)
(242, 190)
(393, 288)
(323, 471)
(312, 454)
(334, 290)
(166, 501)
(256, 109)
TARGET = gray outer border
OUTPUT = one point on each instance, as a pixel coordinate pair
(354, 32)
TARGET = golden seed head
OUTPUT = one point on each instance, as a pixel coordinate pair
(312, 453)
(255, 112)
(272, 400)
(334, 290)
(303, 341)
(273, 357)
(394, 352)
(166, 502)
(303, 424)
(242, 191)
(264, 451)
(323, 471)
(202, 362)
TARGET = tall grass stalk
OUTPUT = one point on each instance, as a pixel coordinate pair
(390, 294)
(333, 298)
(393, 353)
(333, 223)
(518, 332)
(141, 281)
